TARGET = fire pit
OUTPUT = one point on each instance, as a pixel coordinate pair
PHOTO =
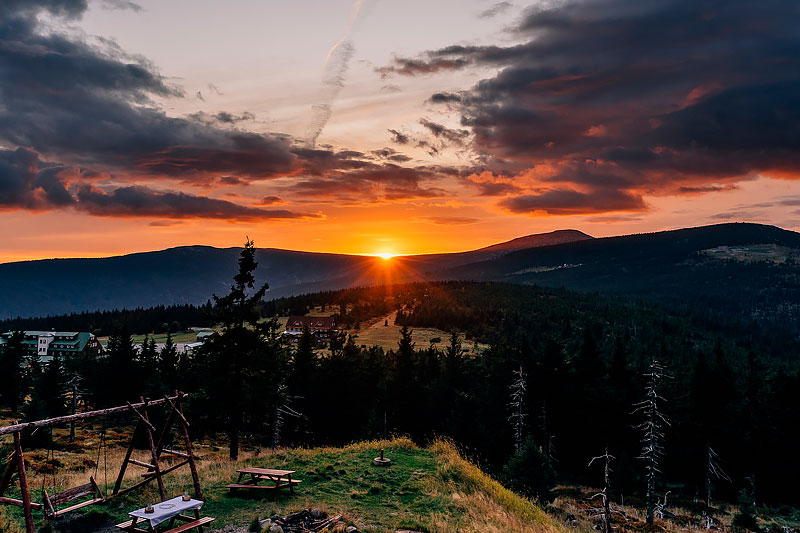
(306, 521)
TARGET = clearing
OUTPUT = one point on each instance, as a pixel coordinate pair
(425, 489)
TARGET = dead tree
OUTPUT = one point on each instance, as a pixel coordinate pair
(517, 404)
(652, 431)
(713, 471)
(605, 510)
(281, 411)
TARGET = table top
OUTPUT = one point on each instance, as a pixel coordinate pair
(266, 471)
(166, 510)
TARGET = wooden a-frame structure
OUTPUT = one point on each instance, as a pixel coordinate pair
(157, 441)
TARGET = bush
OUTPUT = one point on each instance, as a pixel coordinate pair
(530, 473)
(746, 517)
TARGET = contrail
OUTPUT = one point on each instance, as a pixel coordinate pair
(334, 70)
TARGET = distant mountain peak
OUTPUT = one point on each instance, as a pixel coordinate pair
(535, 240)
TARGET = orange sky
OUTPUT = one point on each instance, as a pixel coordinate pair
(379, 127)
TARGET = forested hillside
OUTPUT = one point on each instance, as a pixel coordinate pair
(731, 387)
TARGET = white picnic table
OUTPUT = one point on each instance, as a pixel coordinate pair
(166, 510)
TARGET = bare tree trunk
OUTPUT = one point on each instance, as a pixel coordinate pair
(517, 405)
(604, 494)
(652, 433)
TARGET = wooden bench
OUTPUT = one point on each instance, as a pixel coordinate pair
(51, 503)
(280, 479)
(199, 523)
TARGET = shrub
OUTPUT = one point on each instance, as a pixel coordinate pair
(530, 473)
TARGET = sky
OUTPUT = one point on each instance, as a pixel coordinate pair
(381, 126)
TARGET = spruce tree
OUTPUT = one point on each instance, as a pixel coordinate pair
(12, 356)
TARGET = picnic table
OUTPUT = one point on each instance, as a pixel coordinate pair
(167, 511)
(275, 479)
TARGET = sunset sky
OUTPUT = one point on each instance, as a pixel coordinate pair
(387, 126)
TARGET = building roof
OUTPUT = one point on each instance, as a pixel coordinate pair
(312, 322)
(62, 340)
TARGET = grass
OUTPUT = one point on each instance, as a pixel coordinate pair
(376, 333)
(425, 489)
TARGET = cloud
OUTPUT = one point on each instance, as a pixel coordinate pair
(447, 135)
(399, 137)
(121, 4)
(571, 202)
(271, 200)
(603, 103)
(496, 9)
(450, 221)
(137, 201)
(26, 182)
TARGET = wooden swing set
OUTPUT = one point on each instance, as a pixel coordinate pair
(156, 440)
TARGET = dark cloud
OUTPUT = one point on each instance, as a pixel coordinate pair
(495, 188)
(627, 98)
(28, 183)
(271, 200)
(373, 182)
(496, 9)
(704, 189)
(223, 117)
(571, 202)
(137, 201)
(448, 136)
(399, 137)
(121, 4)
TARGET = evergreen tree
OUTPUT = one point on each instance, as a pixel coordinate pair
(243, 364)
(124, 385)
(12, 356)
(168, 363)
(50, 389)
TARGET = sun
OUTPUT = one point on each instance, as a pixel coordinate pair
(385, 256)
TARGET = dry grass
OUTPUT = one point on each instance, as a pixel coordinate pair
(431, 489)
(375, 333)
(483, 503)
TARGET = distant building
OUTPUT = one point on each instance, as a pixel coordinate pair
(48, 344)
(323, 327)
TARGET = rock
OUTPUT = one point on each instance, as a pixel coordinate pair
(275, 528)
(351, 529)
(318, 514)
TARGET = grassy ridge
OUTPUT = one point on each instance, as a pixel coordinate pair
(427, 489)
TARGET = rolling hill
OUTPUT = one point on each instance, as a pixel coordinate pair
(191, 274)
(743, 269)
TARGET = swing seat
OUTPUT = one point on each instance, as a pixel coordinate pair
(51, 503)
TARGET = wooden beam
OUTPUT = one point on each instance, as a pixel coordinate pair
(187, 442)
(30, 426)
(23, 485)
(142, 464)
(127, 458)
(153, 452)
(18, 503)
(142, 418)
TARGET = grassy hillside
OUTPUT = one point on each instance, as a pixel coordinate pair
(427, 489)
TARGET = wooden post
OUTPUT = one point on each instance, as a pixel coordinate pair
(23, 485)
(153, 452)
(125, 461)
(198, 492)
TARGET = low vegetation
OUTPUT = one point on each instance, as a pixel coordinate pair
(424, 489)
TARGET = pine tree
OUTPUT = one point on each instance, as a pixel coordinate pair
(168, 363)
(12, 357)
(50, 388)
(244, 363)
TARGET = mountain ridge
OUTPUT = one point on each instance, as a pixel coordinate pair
(640, 265)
